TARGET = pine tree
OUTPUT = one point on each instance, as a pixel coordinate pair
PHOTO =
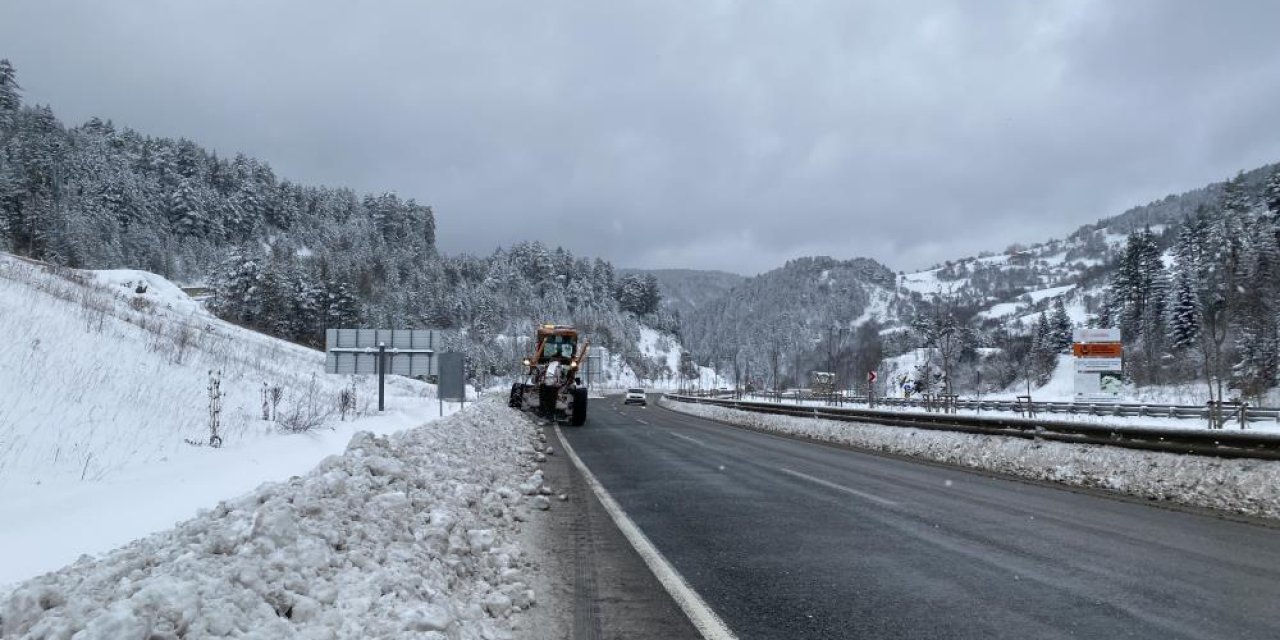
(236, 289)
(10, 97)
(1044, 351)
(1259, 358)
(1235, 197)
(186, 211)
(1271, 196)
(1061, 334)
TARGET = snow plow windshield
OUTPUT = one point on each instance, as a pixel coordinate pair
(558, 347)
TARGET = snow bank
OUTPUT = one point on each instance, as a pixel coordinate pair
(1249, 487)
(412, 535)
(133, 283)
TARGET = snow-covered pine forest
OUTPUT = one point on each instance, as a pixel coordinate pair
(1191, 279)
(291, 259)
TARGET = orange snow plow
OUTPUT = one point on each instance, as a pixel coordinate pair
(551, 387)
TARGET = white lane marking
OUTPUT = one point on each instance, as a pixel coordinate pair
(641, 421)
(838, 487)
(703, 618)
(689, 438)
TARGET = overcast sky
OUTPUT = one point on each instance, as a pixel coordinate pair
(702, 134)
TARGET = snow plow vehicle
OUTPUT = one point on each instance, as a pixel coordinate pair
(551, 387)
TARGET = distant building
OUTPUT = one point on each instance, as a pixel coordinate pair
(1021, 258)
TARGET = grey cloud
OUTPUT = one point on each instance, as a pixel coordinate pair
(721, 134)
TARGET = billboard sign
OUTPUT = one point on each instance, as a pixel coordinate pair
(452, 377)
(1099, 365)
(410, 352)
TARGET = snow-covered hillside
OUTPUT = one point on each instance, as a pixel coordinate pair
(665, 352)
(105, 378)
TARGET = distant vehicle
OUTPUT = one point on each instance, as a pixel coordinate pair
(635, 396)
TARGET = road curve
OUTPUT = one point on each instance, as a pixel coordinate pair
(789, 539)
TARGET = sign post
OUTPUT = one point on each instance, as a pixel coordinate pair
(452, 385)
(1099, 365)
(871, 387)
(382, 376)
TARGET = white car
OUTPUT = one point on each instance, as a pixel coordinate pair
(635, 396)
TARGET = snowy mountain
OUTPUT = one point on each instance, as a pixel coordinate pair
(1011, 309)
(784, 322)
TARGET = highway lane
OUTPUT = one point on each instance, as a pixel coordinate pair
(788, 539)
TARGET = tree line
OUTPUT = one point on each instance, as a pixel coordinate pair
(285, 258)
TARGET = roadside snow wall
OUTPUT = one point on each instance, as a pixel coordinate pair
(1249, 487)
(412, 535)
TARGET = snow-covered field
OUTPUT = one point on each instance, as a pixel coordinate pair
(1250, 487)
(414, 535)
(103, 387)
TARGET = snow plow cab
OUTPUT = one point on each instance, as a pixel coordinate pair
(551, 387)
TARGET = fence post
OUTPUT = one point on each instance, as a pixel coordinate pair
(382, 374)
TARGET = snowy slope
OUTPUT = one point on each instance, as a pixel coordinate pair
(104, 386)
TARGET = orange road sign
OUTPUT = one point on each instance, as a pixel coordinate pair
(1097, 349)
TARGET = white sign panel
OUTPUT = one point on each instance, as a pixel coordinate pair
(1096, 335)
(1099, 379)
(1099, 387)
(1098, 365)
(410, 352)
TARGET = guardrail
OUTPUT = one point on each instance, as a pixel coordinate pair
(1225, 444)
(1239, 414)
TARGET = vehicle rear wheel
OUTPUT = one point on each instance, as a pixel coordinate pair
(579, 409)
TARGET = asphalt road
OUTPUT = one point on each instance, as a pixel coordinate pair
(789, 539)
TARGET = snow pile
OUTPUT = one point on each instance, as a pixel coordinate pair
(412, 535)
(1250, 487)
(148, 286)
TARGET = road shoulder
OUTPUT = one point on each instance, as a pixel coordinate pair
(596, 586)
